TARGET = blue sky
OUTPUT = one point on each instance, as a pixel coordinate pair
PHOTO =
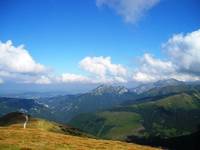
(59, 34)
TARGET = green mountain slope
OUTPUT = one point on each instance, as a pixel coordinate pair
(103, 97)
(171, 116)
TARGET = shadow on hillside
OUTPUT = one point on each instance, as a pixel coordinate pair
(186, 142)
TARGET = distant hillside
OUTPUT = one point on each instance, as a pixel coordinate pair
(42, 135)
(32, 95)
(166, 117)
(29, 106)
(184, 142)
(103, 97)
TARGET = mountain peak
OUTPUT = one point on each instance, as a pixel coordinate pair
(168, 82)
(109, 89)
(158, 84)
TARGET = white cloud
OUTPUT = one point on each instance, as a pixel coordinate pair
(120, 79)
(130, 10)
(103, 69)
(17, 59)
(102, 66)
(17, 65)
(77, 78)
(184, 51)
(184, 76)
(68, 78)
(149, 63)
(152, 69)
(43, 80)
(182, 63)
(143, 77)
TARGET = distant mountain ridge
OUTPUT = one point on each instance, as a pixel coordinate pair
(62, 108)
(100, 98)
(109, 89)
(158, 84)
(33, 95)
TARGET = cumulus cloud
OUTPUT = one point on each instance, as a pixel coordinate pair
(17, 64)
(69, 78)
(43, 80)
(120, 79)
(182, 63)
(102, 66)
(103, 69)
(17, 59)
(130, 10)
(152, 69)
(184, 51)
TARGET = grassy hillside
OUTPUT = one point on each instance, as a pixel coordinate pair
(16, 120)
(44, 135)
(109, 125)
(34, 139)
(167, 117)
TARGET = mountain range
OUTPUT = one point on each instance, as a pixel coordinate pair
(163, 110)
(62, 108)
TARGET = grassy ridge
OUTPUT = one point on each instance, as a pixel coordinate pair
(45, 135)
(17, 138)
(16, 120)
